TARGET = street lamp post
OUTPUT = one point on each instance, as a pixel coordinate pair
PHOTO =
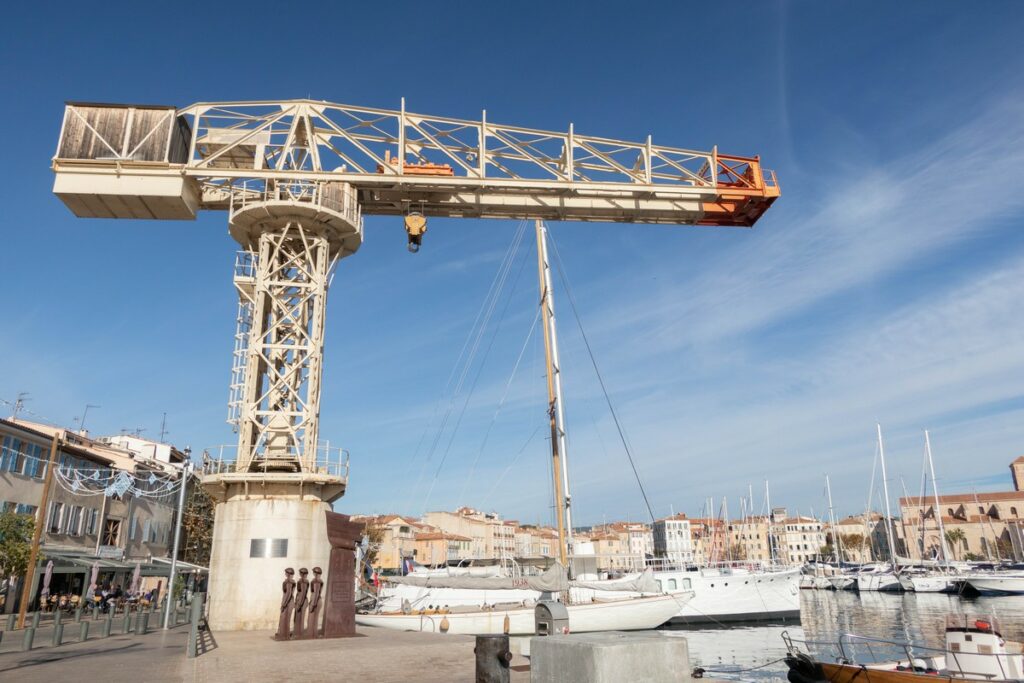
(186, 470)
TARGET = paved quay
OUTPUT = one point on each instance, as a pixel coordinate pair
(374, 655)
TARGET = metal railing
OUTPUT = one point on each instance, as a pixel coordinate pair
(851, 649)
(330, 461)
(338, 197)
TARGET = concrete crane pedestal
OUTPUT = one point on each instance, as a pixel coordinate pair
(610, 657)
(259, 531)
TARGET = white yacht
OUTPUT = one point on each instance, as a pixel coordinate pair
(997, 583)
(734, 593)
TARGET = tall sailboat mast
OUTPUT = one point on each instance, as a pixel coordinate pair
(885, 492)
(938, 505)
(832, 520)
(556, 413)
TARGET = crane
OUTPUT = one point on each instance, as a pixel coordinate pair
(296, 178)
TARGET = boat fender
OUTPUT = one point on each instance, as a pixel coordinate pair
(803, 669)
(697, 673)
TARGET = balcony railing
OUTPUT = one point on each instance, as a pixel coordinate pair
(330, 461)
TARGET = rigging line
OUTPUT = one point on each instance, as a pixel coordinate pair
(469, 336)
(509, 467)
(618, 425)
(501, 404)
(480, 367)
(483, 317)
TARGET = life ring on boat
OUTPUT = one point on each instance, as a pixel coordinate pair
(983, 626)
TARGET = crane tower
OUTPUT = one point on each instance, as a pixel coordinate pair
(296, 178)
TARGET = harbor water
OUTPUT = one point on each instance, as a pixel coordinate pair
(734, 651)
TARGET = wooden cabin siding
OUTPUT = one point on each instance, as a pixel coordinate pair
(124, 133)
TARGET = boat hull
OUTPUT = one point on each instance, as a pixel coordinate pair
(883, 583)
(740, 596)
(936, 584)
(997, 585)
(638, 614)
(845, 673)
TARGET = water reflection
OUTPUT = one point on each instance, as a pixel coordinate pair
(827, 614)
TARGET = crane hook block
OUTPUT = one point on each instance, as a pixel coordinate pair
(415, 226)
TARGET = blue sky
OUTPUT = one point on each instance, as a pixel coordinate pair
(884, 285)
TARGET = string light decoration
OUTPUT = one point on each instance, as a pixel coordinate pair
(107, 482)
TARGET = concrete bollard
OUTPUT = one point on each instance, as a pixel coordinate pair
(26, 640)
(12, 621)
(35, 619)
(492, 659)
(126, 625)
(108, 624)
(140, 624)
(609, 657)
(83, 632)
(78, 615)
(195, 616)
(58, 617)
(58, 634)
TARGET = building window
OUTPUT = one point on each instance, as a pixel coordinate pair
(53, 525)
(111, 531)
(1013, 512)
(73, 526)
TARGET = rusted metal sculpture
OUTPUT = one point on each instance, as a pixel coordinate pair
(340, 615)
(287, 605)
(316, 587)
(301, 603)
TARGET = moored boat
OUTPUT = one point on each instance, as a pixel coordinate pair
(974, 649)
(997, 583)
(628, 614)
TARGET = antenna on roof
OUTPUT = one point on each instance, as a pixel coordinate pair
(81, 420)
(163, 429)
(19, 403)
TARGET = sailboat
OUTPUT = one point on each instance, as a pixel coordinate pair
(507, 605)
(881, 577)
(946, 579)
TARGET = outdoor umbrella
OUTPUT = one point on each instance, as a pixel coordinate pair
(137, 578)
(95, 576)
(47, 575)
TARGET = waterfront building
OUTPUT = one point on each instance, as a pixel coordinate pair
(436, 548)
(397, 538)
(986, 526)
(115, 531)
(490, 536)
(749, 539)
(673, 539)
(799, 539)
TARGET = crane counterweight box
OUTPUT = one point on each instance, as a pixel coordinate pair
(112, 162)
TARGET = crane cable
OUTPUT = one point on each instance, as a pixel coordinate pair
(618, 425)
(504, 270)
(501, 404)
(463, 360)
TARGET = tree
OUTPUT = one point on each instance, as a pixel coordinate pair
(954, 538)
(737, 553)
(852, 542)
(375, 534)
(15, 545)
(197, 525)
(826, 551)
(15, 542)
